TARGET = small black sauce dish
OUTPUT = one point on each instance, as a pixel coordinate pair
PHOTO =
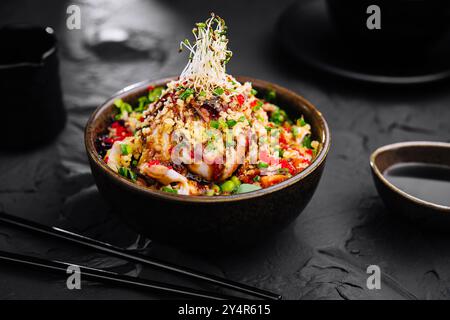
(32, 106)
(413, 179)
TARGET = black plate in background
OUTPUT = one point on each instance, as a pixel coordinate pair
(306, 32)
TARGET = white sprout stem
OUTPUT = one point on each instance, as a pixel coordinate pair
(207, 57)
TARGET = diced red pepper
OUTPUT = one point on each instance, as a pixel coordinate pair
(116, 124)
(283, 139)
(153, 162)
(120, 132)
(240, 98)
(150, 88)
(287, 165)
(309, 151)
(122, 136)
(106, 159)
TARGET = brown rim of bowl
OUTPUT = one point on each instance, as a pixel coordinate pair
(90, 148)
(406, 195)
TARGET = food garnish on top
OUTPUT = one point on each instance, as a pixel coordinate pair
(205, 133)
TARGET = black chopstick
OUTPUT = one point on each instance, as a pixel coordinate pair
(107, 276)
(124, 254)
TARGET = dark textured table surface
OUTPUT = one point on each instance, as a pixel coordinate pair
(322, 255)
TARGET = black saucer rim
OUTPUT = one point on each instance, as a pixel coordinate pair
(332, 69)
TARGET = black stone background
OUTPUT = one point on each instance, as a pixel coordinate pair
(322, 255)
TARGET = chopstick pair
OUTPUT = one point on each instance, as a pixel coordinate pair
(107, 276)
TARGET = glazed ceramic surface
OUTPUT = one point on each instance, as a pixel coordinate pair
(400, 202)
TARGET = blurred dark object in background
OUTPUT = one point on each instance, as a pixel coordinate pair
(408, 27)
(32, 107)
(332, 36)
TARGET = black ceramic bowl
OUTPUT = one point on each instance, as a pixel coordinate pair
(204, 222)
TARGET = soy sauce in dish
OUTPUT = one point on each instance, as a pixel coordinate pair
(428, 182)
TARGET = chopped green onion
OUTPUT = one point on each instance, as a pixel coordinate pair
(307, 142)
(143, 101)
(222, 124)
(283, 170)
(133, 175)
(127, 173)
(202, 94)
(231, 123)
(262, 165)
(154, 94)
(270, 95)
(125, 148)
(169, 190)
(186, 94)
(123, 107)
(241, 119)
(214, 124)
(278, 116)
(256, 178)
(254, 92)
(123, 171)
(301, 122)
(218, 91)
